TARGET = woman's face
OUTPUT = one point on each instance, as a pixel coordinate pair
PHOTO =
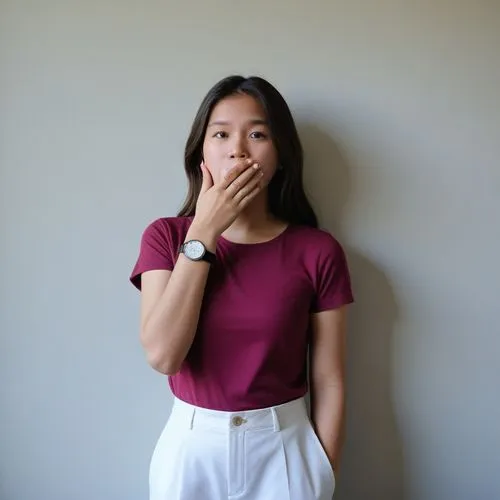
(238, 129)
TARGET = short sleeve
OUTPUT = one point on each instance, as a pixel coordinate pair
(333, 282)
(155, 252)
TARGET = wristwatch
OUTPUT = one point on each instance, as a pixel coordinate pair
(196, 250)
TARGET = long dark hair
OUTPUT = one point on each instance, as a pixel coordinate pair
(286, 197)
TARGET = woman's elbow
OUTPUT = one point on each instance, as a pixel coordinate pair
(162, 363)
(158, 358)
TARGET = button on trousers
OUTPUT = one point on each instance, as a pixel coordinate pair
(266, 454)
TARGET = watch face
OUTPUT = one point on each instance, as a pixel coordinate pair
(194, 249)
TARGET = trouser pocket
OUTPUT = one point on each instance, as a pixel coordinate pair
(323, 457)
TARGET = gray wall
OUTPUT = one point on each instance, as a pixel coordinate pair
(398, 106)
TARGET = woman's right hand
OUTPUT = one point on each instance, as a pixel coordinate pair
(219, 204)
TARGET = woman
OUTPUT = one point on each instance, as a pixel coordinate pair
(237, 293)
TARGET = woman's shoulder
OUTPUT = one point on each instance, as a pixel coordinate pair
(317, 239)
(325, 260)
(167, 228)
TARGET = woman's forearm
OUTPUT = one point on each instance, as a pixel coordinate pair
(170, 328)
(327, 413)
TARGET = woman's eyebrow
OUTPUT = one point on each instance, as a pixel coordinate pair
(255, 121)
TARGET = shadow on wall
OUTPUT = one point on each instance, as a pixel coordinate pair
(372, 464)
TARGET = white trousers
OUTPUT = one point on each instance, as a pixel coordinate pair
(266, 454)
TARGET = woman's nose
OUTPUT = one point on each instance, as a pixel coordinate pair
(239, 155)
(239, 151)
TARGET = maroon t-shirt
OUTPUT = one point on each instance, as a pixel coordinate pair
(250, 347)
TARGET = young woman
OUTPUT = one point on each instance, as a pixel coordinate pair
(238, 292)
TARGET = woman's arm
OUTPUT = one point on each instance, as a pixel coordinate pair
(327, 373)
(171, 301)
(170, 308)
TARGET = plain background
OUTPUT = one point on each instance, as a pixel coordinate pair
(398, 105)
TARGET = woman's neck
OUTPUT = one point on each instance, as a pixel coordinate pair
(255, 224)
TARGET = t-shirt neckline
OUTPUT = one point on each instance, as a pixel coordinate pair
(260, 243)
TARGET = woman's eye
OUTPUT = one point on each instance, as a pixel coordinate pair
(257, 135)
(220, 135)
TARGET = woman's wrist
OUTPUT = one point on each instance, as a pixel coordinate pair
(204, 234)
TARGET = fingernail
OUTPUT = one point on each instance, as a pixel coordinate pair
(256, 166)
